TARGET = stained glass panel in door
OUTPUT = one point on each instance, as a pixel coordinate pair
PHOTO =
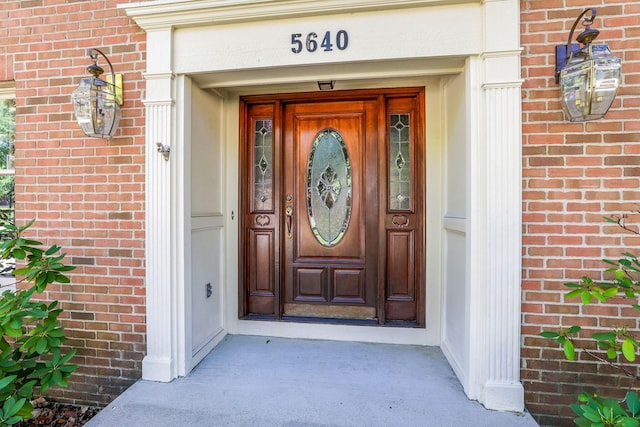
(399, 162)
(263, 166)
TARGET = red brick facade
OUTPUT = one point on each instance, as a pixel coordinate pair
(88, 194)
(574, 174)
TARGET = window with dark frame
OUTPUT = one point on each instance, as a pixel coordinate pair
(7, 170)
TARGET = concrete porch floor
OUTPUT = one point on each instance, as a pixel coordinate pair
(262, 381)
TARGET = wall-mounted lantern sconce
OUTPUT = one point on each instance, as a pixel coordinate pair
(97, 101)
(589, 76)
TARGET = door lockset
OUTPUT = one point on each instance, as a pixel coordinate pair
(289, 220)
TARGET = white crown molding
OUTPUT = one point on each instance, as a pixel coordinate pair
(505, 84)
(7, 90)
(501, 53)
(159, 14)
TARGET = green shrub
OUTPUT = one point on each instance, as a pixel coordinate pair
(31, 358)
(592, 409)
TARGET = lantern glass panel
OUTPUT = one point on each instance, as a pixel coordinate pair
(589, 83)
(606, 79)
(81, 100)
(96, 107)
(575, 81)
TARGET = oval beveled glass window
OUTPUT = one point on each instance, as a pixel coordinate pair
(329, 187)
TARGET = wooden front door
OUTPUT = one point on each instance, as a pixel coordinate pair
(330, 179)
(331, 224)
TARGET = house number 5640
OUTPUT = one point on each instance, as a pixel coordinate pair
(313, 41)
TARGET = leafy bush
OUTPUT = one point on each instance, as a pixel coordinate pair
(593, 410)
(31, 359)
(596, 411)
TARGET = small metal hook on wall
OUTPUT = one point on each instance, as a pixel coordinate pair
(165, 150)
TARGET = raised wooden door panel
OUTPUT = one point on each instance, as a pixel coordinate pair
(261, 279)
(404, 210)
(329, 261)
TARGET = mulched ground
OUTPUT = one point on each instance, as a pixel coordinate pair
(50, 413)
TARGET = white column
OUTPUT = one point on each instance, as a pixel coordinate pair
(501, 296)
(497, 213)
(160, 362)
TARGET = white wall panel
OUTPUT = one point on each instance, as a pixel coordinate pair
(206, 191)
(455, 322)
(455, 342)
(456, 147)
(207, 164)
(206, 268)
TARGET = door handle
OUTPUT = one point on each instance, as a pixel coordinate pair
(289, 220)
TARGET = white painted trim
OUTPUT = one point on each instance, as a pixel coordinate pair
(475, 251)
(204, 221)
(503, 224)
(494, 246)
(434, 142)
(255, 81)
(420, 336)
(158, 76)
(517, 83)
(373, 334)
(185, 13)
(455, 224)
(164, 256)
(8, 91)
(160, 363)
(190, 355)
(502, 134)
(504, 396)
(210, 344)
(180, 156)
(458, 367)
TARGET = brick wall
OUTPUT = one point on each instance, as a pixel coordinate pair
(574, 174)
(86, 194)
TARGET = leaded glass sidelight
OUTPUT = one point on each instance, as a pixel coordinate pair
(329, 187)
(399, 162)
(263, 166)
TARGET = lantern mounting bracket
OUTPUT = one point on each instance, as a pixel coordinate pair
(112, 78)
(589, 74)
(564, 51)
(97, 101)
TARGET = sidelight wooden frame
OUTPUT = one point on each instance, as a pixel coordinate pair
(385, 100)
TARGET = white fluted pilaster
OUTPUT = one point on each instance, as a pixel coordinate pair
(502, 388)
(497, 213)
(160, 362)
